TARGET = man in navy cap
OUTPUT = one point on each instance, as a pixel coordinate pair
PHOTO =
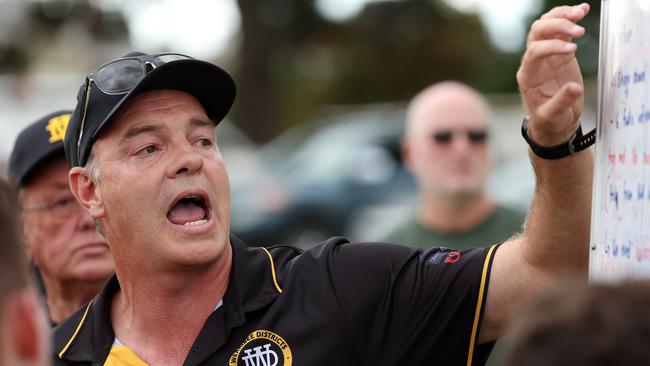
(74, 261)
(145, 164)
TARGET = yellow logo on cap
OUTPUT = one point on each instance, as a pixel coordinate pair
(57, 126)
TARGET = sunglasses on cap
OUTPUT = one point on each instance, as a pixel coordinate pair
(445, 137)
(119, 77)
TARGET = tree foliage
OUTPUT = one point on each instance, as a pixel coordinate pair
(293, 61)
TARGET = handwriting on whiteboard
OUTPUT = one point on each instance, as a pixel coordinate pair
(620, 239)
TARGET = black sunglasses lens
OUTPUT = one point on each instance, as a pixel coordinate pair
(477, 137)
(119, 76)
(442, 137)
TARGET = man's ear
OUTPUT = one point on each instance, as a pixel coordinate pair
(86, 192)
(407, 156)
(28, 334)
(28, 233)
(27, 242)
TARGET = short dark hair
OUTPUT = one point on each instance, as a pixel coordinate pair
(13, 263)
(579, 325)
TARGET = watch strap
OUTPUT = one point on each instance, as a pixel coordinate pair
(575, 144)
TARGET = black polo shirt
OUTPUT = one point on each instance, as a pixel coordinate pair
(336, 304)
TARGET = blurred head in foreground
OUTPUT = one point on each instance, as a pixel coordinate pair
(578, 325)
(24, 338)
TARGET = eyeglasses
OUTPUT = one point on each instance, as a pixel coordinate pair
(445, 137)
(119, 77)
(64, 206)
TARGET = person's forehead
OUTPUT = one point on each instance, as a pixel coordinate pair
(150, 106)
(52, 177)
(441, 103)
(158, 101)
(451, 115)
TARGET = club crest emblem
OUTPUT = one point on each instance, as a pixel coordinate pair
(262, 348)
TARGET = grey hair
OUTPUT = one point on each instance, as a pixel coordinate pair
(92, 168)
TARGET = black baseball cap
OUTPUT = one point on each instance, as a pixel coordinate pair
(37, 144)
(213, 87)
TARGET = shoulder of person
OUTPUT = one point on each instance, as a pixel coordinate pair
(339, 251)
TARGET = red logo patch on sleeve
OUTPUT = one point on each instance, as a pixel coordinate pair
(452, 257)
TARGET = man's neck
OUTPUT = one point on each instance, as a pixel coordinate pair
(63, 299)
(454, 214)
(160, 315)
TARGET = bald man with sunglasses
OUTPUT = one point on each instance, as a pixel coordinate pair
(446, 148)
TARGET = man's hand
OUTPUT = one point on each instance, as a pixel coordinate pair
(555, 241)
(549, 77)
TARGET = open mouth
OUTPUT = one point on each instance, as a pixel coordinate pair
(189, 209)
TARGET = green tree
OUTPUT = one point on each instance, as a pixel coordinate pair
(292, 61)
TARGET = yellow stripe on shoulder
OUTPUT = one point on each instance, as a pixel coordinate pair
(479, 305)
(275, 278)
(123, 356)
(74, 335)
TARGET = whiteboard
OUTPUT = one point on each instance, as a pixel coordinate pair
(620, 224)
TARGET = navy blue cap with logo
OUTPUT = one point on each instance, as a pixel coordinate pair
(37, 144)
(110, 86)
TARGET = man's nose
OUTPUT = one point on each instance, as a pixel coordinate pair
(186, 161)
(461, 143)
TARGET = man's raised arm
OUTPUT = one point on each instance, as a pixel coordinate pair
(555, 240)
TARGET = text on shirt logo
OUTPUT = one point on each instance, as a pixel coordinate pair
(436, 255)
(262, 348)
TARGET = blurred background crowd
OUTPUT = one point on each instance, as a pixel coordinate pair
(313, 142)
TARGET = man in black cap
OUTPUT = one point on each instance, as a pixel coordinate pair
(74, 261)
(146, 166)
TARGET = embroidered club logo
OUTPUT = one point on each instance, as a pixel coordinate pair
(452, 257)
(262, 348)
(437, 255)
(56, 127)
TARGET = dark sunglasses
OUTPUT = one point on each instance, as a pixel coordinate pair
(444, 137)
(119, 77)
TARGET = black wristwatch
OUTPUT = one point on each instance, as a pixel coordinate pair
(576, 143)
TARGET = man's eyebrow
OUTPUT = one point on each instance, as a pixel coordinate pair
(196, 122)
(138, 130)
